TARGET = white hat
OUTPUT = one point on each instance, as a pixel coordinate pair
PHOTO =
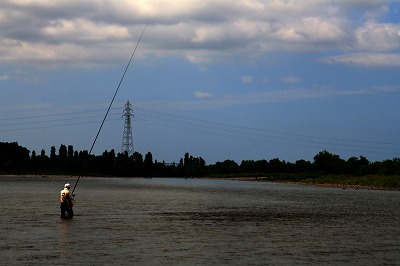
(67, 185)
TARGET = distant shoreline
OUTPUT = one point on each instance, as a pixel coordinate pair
(253, 179)
(333, 185)
(44, 176)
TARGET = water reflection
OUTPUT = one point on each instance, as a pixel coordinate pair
(65, 226)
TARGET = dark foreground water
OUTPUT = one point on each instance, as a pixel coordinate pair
(204, 222)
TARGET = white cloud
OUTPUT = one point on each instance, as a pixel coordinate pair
(202, 94)
(366, 59)
(26, 77)
(378, 37)
(201, 31)
(311, 30)
(4, 77)
(83, 30)
(273, 96)
(291, 79)
(247, 79)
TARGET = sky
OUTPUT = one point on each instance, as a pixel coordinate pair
(219, 79)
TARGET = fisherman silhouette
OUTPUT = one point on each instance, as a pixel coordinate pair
(66, 202)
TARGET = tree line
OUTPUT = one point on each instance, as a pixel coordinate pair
(15, 159)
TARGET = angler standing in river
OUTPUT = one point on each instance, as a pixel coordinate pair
(66, 202)
(66, 198)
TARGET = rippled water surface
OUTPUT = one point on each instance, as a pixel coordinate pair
(191, 221)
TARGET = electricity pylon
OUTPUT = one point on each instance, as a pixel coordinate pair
(127, 140)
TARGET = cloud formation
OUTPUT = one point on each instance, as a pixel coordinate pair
(291, 79)
(78, 32)
(366, 59)
(247, 79)
(202, 94)
(4, 77)
(273, 96)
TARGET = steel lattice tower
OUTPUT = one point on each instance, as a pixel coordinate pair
(127, 140)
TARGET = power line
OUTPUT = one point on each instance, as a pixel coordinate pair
(53, 115)
(208, 127)
(252, 131)
(53, 120)
(264, 135)
(56, 125)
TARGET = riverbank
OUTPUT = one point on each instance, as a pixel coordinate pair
(367, 182)
(50, 176)
(37, 176)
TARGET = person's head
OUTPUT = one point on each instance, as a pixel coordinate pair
(67, 186)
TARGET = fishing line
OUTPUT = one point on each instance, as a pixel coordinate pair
(109, 107)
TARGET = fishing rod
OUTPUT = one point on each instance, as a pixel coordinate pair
(109, 107)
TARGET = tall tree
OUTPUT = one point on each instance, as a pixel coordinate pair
(329, 163)
(53, 153)
(63, 152)
(148, 164)
(33, 156)
(70, 152)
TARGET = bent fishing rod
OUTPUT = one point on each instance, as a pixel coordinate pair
(109, 107)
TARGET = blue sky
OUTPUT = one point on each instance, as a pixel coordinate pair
(240, 80)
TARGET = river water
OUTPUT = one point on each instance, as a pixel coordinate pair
(167, 221)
